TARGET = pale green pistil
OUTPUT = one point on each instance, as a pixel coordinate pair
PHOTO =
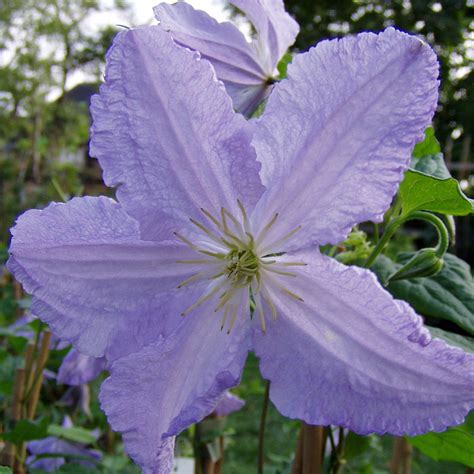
(242, 266)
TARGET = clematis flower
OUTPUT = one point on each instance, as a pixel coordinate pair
(248, 70)
(79, 369)
(56, 446)
(212, 248)
(229, 403)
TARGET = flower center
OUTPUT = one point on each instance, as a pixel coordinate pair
(237, 266)
(242, 266)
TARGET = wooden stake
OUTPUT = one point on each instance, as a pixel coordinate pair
(38, 377)
(29, 367)
(298, 462)
(313, 454)
(17, 414)
(401, 457)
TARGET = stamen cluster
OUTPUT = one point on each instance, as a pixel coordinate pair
(234, 261)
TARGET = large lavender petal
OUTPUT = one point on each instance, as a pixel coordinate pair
(155, 393)
(165, 133)
(337, 135)
(78, 369)
(351, 355)
(93, 280)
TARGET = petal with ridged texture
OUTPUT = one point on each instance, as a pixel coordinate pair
(166, 135)
(351, 355)
(158, 391)
(337, 134)
(92, 279)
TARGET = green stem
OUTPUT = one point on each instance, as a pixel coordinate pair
(331, 440)
(261, 433)
(376, 233)
(387, 235)
(443, 237)
(59, 190)
(340, 451)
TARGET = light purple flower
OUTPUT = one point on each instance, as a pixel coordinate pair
(78, 369)
(199, 230)
(248, 70)
(78, 396)
(229, 403)
(52, 445)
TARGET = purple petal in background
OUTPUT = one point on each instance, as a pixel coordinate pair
(78, 396)
(337, 135)
(53, 445)
(159, 139)
(229, 403)
(78, 369)
(245, 68)
(350, 355)
(276, 29)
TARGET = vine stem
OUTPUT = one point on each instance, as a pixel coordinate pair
(261, 433)
(340, 451)
(443, 237)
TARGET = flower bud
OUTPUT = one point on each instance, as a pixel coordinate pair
(424, 263)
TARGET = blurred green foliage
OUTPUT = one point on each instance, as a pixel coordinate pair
(42, 124)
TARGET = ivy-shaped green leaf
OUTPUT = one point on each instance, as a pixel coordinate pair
(26, 430)
(432, 165)
(429, 146)
(428, 184)
(448, 295)
(74, 433)
(463, 342)
(421, 192)
(283, 65)
(455, 444)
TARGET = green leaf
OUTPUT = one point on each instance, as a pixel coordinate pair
(356, 445)
(464, 342)
(429, 146)
(448, 295)
(283, 65)
(75, 433)
(455, 444)
(432, 165)
(421, 192)
(5, 470)
(25, 430)
(71, 468)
